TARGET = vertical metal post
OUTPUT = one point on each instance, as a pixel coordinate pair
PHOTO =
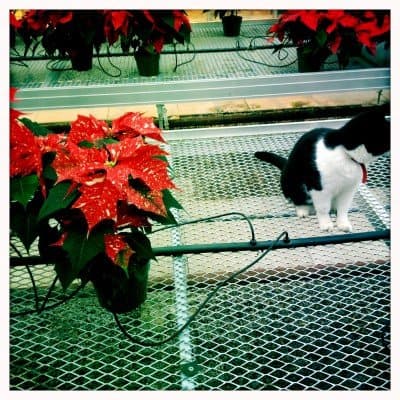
(162, 116)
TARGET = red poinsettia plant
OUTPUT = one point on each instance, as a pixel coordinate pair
(146, 30)
(59, 31)
(63, 30)
(341, 32)
(92, 192)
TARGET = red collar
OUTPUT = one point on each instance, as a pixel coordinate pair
(363, 169)
(364, 173)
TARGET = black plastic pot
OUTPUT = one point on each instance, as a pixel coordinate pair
(148, 64)
(231, 25)
(309, 61)
(116, 291)
(81, 57)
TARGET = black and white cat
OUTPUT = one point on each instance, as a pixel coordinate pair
(326, 166)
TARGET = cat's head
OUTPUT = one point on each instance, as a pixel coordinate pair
(367, 136)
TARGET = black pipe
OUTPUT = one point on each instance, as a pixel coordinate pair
(169, 52)
(239, 246)
(263, 245)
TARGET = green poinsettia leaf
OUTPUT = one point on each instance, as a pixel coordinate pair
(36, 128)
(60, 196)
(169, 202)
(23, 188)
(23, 224)
(80, 249)
(49, 173)
(107, 140)
(86, 144)
(321, 37)
(141, 246)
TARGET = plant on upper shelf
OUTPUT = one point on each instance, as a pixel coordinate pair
(320, 33)
(90, 196)
(65, 33)
(231, 21)
(146, 32)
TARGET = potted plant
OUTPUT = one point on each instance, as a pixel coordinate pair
(146, 32)
(63, 33)
(319, 33)
(231, 21)
(90, 197)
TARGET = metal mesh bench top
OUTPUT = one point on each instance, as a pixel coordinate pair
(314, 317)
(217, 67)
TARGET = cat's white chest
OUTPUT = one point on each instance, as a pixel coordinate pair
(337, 170)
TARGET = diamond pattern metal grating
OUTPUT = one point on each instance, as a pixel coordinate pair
(310, 318)
(191, 62)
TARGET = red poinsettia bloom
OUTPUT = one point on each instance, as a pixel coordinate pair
(181, 20)
(336, 30)
(128, 170)
(108, 173)
(117, 249)
(369, 31)
(134, 124)
(116, 23)
(25, 154)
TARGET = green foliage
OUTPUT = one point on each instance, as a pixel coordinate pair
(60, 197)
(36, 129)
(23, 223)
(80, 249)
(23, 188)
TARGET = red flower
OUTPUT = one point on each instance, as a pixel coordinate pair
(25, 154)
(117, 249)
(342, 28)
(104, 171)
(133, 124)
(116, 23)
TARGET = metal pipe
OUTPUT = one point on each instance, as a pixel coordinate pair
(239, 246)
(262, 245)
(130, 54)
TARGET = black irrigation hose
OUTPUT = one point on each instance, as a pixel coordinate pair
(35, 292)
(109, 55)
(281, 50)
(245, 217)
(185, 62)
(151, 343)
(51, 306)
(66, 298)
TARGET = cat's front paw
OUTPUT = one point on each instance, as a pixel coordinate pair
(344, 225)
(303, 211)
(326, 224)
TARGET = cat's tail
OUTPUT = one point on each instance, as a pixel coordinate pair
(271, 158)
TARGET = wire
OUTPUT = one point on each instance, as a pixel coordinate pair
(109, 55)
(281, 52)
(245, 217)
(185, 62)
(39, 309)
(150, 343)
(35, 292)
(51, 306)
